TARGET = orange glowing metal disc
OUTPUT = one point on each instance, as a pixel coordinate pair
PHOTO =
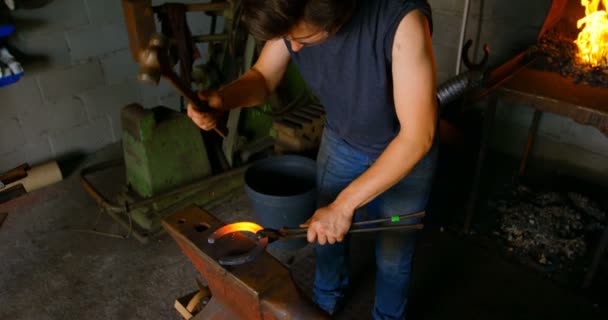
(232, 228)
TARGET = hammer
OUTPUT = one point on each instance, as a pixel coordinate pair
(154, 64)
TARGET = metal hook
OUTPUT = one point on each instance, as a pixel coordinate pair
(467, 61)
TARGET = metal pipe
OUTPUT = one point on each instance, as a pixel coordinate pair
(96, 195)
(463, 29)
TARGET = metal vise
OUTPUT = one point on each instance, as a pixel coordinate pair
(259, 290)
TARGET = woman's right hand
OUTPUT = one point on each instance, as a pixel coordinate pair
(207, 120)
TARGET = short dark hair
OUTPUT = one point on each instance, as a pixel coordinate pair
(270, 19)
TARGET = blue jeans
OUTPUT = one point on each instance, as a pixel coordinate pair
(337, 165)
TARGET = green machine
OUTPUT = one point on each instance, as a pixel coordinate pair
(167, 168)
(162, 148)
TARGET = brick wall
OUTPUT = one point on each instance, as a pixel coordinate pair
(80, 77)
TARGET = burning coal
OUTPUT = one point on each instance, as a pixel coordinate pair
(551, 228)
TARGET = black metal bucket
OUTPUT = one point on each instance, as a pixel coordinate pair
(282, 192)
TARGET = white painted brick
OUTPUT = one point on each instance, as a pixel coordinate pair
(200, 23)
(511, 138)
(38, 151)
(506, 40)
(12, 160)
(151, 94)
(97, 40)
(11, 135)
(109, 101)
(446, 28)
(514, 114)
(119, 66)
(445, 57)
(85, 138)
(572, 133)
(104, 11)
(443, 76)
(44, 49)
(516, 11)
(21, 96)
(58, 83)
(55, 16)
(65, 113)
(447, 6)
(172, 102)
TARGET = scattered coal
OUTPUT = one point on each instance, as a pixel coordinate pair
(556, 52)
(551, 228)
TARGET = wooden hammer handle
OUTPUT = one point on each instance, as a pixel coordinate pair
(191, 96)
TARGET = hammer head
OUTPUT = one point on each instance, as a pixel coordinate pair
(151, 60)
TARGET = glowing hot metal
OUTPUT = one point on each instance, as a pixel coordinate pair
(249, 227)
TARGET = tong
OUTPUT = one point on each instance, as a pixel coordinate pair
(268, 235)
(356, 227)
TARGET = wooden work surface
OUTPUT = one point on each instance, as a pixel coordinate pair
(549, 91)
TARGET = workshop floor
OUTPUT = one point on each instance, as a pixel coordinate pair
(51, 270)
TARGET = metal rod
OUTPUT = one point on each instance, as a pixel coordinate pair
(597, 257)
(364, 230)
(487, 128)
(211, 37)
(208, 7)
(463, 29)
(530, 142)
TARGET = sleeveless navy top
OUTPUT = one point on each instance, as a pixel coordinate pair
(350, 73)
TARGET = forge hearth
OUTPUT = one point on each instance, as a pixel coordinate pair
(546, 78)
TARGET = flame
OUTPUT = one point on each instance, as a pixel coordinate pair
(592, 40)
(232, 228)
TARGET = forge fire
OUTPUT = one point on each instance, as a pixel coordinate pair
(581, 55)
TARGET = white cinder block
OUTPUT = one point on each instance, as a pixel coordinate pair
(103, 11)
(445, 57)
(151, 94)
(49, 49)
(447, 6)
(570, 132)
(109, 101)
(446, 28)
(85, 138)
(11, 135)
(20, 97)
(56, 16)
(66, 113)
(97, 40)
(58, 83)
(12, 160)
(119, 66)
(38, 151)
(172, 102)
